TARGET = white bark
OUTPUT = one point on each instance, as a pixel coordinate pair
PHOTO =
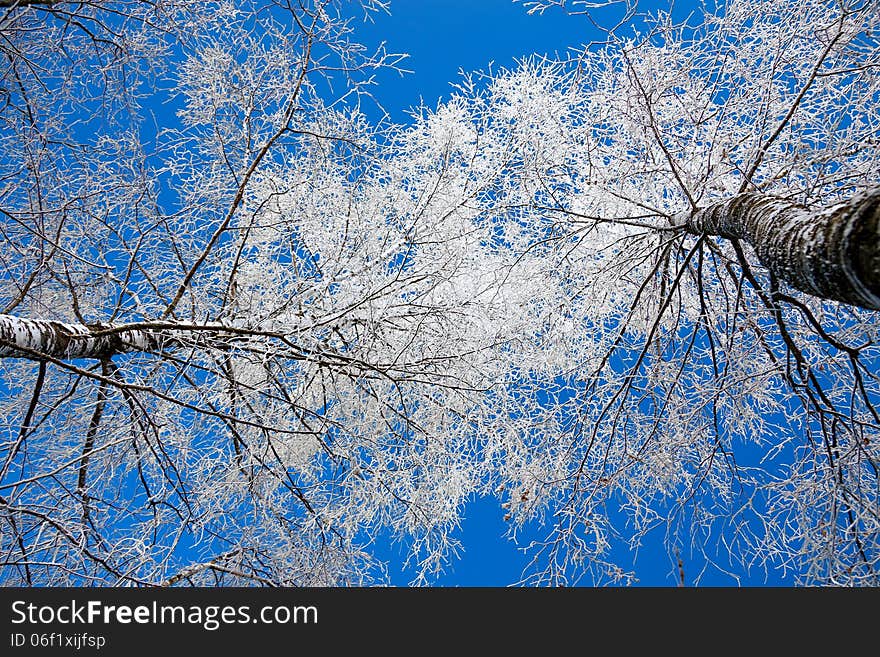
(31, 338)
(833, 253)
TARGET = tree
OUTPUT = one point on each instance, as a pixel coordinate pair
(240, 341)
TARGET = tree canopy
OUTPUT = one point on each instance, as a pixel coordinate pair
(245, 330)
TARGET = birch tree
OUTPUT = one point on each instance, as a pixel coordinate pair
(248, 336)
(733, 403)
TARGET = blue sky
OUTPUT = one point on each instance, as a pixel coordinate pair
(443, 37)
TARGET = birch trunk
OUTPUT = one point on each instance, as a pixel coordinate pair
(833, 253)
(32, 338)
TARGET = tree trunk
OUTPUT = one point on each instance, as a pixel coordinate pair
(25, 3)
(31, 338)
(833, 253)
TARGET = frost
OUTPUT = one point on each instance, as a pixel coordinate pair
(623, 291)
